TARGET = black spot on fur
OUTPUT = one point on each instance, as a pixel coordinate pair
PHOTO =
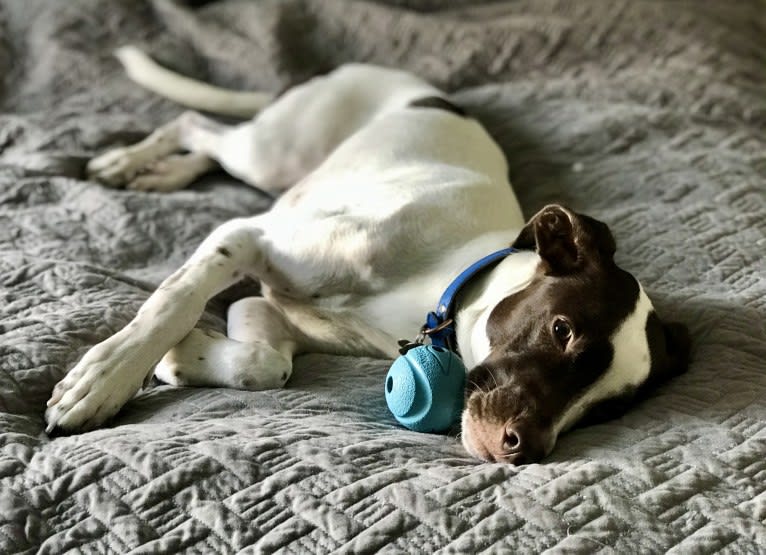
(200, 358)
(284, 376)
(224, 251)
(439, 103)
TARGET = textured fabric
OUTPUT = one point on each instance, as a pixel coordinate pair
(648, 115)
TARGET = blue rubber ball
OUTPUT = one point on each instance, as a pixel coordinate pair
(424, 388)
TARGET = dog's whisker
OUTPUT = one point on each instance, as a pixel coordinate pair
(493, 377)
(478, 387)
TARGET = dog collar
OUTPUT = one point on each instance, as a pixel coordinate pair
(440, 325)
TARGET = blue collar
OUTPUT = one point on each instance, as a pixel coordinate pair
(440, 325)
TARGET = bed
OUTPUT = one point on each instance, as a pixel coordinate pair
(648, 115)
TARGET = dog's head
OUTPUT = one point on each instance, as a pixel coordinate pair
(581, 341)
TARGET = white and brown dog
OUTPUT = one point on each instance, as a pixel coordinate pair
(389, 192)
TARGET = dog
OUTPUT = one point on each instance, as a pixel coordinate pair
(387, 191)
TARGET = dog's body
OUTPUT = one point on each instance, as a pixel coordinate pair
(389, 192)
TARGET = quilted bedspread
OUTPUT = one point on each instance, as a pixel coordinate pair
(648, 115)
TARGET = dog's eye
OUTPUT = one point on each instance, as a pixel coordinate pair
(562, 330)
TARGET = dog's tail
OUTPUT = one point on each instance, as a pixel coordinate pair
(189, 92)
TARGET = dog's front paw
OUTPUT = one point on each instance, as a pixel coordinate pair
(97, 387)
(116, 167)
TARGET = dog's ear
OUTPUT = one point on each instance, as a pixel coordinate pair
(669, 346)
(677, 347)
(566, 240)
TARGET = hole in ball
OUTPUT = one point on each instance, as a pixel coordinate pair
(390, 385)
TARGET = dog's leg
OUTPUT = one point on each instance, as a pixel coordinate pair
(256, 355)
(112, 371)
(284, 142)
(294, 134)
(149, 164)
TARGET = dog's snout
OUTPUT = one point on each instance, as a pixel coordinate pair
(520, 440)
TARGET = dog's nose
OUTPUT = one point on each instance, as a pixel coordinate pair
(521, 444)
(513, 443)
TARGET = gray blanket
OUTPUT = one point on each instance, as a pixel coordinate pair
(648, 115)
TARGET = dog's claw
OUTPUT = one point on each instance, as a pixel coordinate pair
(55, 396)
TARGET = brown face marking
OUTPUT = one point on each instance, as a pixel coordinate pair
(551, 342)
(224, 252)
(533, 374)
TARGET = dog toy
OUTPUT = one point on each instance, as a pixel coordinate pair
(424, 388)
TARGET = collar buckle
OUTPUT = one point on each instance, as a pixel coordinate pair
(426, 331)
